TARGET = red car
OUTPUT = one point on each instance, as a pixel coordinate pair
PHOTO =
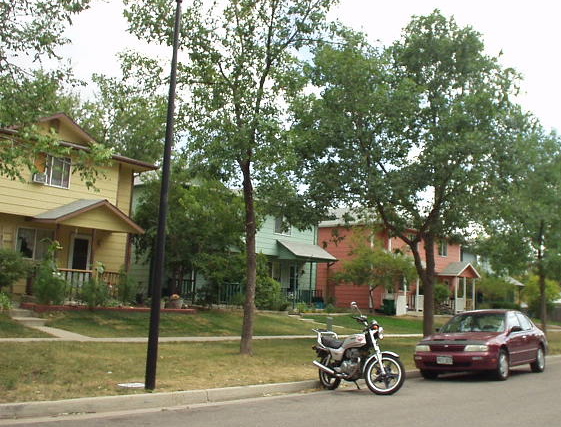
(482, 340)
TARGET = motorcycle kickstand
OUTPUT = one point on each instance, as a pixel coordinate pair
(357, 386)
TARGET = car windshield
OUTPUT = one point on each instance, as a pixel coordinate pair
(478, 322)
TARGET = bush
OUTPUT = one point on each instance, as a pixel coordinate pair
(49, 286)
(441, 293)
(268, 294)
(12, 267)
(95, 292)
(5, 302)
(126, 288)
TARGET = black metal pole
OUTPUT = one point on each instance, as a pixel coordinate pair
(159, 270)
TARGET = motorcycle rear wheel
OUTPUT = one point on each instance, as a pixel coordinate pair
(327, 381)
(388, 383)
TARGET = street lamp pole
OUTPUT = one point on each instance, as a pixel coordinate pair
(159, 270)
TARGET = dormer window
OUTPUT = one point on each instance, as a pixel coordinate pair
(57, 171)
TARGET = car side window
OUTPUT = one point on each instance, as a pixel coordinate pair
(512, 320)
(524, 322)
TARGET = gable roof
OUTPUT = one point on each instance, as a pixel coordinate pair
(107, 216)
(84, 137)
(307, 251)
(459, 269)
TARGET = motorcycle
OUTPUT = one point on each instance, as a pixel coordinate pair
(358, 356)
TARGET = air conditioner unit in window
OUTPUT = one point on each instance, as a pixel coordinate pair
(39, 178)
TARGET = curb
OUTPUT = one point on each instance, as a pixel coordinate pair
(130, 402)
(147, 400)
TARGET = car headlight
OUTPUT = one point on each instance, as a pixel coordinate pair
(476, 347)
(422, 347)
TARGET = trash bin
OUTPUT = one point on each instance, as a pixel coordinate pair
(389, 307)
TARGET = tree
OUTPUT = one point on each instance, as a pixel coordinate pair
(373, 266)
(129, 113)
(524, 234)
(241, 69)
(423, 133)
(205, 221)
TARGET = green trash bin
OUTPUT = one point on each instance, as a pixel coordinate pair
(389, 307)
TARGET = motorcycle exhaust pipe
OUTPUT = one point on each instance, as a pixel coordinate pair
(324, 368)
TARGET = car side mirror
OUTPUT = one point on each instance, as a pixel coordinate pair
(437, 329)
(515, 329)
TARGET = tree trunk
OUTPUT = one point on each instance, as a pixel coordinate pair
(251, 265)
(426, 275)
(541, 279)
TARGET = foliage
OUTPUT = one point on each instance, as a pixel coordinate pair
(12, 267)
(204, 225)
(95, 292)
(49, 286)
(5, 302)
(268, 292)
(495, 288)
(242, 67)
(532, 293)
(424, 132)
(372, 265)
(441, 293)
(126, 288)
(129, 114)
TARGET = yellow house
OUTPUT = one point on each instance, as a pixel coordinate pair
(92, 225)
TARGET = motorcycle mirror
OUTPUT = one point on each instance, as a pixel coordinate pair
(354, 305)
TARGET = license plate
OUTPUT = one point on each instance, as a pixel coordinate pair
(444, 360)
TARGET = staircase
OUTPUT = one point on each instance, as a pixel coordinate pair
(27, 318)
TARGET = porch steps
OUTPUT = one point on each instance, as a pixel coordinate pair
(27, 317)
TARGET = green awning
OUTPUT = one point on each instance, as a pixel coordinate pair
(305, 252)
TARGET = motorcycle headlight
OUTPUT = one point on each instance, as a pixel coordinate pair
(422, 347)
(476, 347)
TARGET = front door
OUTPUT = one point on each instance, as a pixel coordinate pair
(80, 252)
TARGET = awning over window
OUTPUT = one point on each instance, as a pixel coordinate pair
(304, 251)
(96, 213)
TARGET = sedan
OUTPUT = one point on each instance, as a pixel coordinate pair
(482, 340)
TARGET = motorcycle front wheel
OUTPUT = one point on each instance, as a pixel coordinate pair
(387, 383)
(328, 381)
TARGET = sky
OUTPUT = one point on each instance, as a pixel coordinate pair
(526, 32)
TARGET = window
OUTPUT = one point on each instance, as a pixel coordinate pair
(281, 227)
(524, 322)
(31, 242)
(443, 248)
(57, 171)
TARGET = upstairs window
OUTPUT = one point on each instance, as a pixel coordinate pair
(281, 227)
(443, 248)
(57, 171)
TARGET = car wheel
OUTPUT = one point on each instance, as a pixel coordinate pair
(503, 368)
(429, 375)
(538, 365)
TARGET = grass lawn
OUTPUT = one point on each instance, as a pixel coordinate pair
(63, 370)
(33, 371)
(11, 329)
(104, 324)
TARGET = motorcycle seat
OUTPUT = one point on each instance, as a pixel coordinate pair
(331, 342)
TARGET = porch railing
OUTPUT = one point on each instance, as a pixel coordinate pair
(77, 278)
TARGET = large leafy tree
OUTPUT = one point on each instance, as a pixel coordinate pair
(525, 232)
(239, 74)
(424, 133)
(205, 223)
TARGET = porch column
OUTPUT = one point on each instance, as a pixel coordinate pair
(417, 295)
(473, 291)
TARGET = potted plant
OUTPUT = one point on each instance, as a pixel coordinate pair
(175, 301)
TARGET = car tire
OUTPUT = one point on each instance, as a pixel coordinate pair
(503, 366)
(429, 375)
(538, 365)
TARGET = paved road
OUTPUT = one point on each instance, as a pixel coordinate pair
(526, 399)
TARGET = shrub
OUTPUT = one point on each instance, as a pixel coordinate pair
(268, 294)
(126, 288)
(12, 267)
(5, 302)
(95, 291)
(441, 293)
(49, 286)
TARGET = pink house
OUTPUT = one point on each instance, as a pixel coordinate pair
(451, 269)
